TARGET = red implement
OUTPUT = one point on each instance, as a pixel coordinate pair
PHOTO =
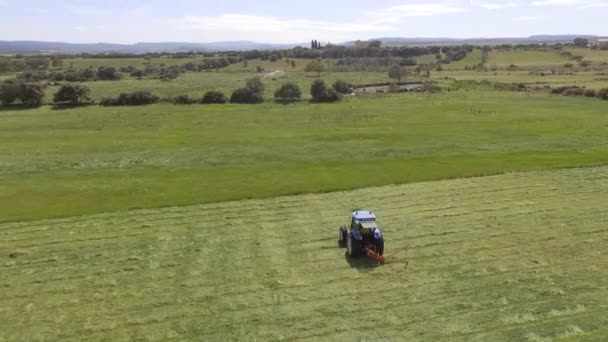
(372, 253)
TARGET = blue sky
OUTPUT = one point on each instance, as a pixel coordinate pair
(129, 21)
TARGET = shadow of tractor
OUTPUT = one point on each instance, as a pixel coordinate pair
(362, 263)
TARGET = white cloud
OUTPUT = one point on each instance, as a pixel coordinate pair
(495, 6)
(542, 3)
(532, 17)
(239, 26)
(397, 13)
(82, 10)
(566, 3)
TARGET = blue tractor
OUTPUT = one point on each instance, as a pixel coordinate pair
(363, 237)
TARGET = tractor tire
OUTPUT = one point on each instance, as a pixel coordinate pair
(342, 236)
(379, 246)
(353, 246)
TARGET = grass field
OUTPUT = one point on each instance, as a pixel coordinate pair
(504, 58)
(219, 222)
(196, 84)
(96, 159)
(596, 56)
(582, 79)
(140, 62)
(518, 257)
(472, 58)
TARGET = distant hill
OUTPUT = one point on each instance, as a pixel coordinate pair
(34, 47)
(539, 39)
(30, 47)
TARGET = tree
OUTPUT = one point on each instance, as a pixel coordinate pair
(74, 94)
(9, 91)
(289, 92)
(107, 73)
(375, 44)
(245, 95)
(342, 87)
(397, 72)
(214, 97)
(182, 100)
(315, 66)
(37, 62)
(320, 92)
(137, 98)
(255, 84)
(56, 62)
(253, 92)
(581, 42)
(31, 94)
(5, 65)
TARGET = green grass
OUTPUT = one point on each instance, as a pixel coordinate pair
(518, 257)
(139, 62)
(196, 84)
(596, 56)
(582, 79)
(534, 58)
(95, 159)
(472, 58)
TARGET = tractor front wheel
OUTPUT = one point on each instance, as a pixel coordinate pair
(353, 246)
(342, 236)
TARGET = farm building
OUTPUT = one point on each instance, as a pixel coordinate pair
(602, 43)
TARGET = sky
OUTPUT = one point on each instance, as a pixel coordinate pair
(270, 21)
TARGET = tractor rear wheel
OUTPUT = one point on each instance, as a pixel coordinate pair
(353, 246)
(379, 243)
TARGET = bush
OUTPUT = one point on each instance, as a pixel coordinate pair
(137, 98)
(342, 87)
(214, 97)
(182, 100)
(245, 95)
(107, 101)
(584, 64)
(9, 92)
(561, 90)
(603, 94)
(170, 73)
(255, 84)
(107, 74)
(74, 94)
(320, 92)
(408, 62)
(289, 92)
(568, 65)
(574, 91)
(590, 93)
(30, 94)
(57, 76)
(137, 73)
(251, 93)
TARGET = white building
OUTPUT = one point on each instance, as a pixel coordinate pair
(602, 43)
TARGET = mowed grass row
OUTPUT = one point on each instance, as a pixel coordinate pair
(518, 257)
(87, 160)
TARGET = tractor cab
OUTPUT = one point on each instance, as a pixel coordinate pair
(363, 223)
